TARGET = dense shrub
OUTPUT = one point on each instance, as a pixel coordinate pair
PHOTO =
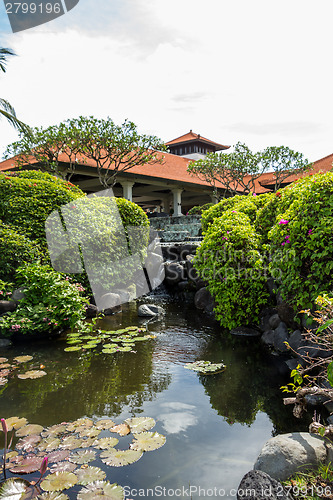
(28, 197)
(198, 209)
(230, 261)
(244, 204)
(15, 249)
(301, 240)
(51, 303)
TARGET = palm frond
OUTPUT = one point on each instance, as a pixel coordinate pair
(4, 53)
(7, 110)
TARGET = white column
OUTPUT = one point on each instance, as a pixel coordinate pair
(214, 199)
(177, 202)
(127, 189)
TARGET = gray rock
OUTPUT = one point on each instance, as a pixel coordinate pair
(5, 343)
(7, 306)
(257, 485)
(296, 340)
(264, 318)
(91, 311)
(109, 303)
(200, 284)
(183, 285)
(274, 321)
(268, 338)
(292, 363)
(149, 310)
(330, 420)
(18, 294)
(286, 454)
(244, 331)
(287, 314)
(313, 351)
(204, 301)
(174, 273)
(280, 337)
(315, 399)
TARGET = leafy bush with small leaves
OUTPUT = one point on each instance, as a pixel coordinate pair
(198, 209)
(51, 303)
(15, 249)
(229, 259)
(6, 289)
(244, 204)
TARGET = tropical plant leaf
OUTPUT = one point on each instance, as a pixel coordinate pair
(89, 475)
(28, 443)
(15, 423)
(23, 359)
(140, 424)
(29, 429)
(59, 481)
(63, 467)
(13, 488)
(147, 441)
(121, 429)
(32, 374)
(54, 495)
(29, 464)
(119, 458)
(100, 489)
(82, 456)
(104, 423)
(107, 442)
(330, 373)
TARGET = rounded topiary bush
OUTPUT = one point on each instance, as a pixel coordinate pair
(28, 197)
(51, 303)
(15, 250)
(244, 204)
(230, 262)
(198, 209)
(301, 240)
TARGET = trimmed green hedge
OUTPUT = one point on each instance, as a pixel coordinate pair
(198, 209)
(244, 204)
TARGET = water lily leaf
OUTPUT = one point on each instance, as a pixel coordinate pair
(87, 443)
(59, 481)
(89, 475)
(3, 360)
(29, 464)
(104, 423)
(82, 456)
(54, 430)
(32, 374)
(3, 381)
(105, 351)
(74, 342)
(90, 432)
(49, 444)
(70, 443)
(28, 443)
(29, 429)
(54, 495)
(101, 489)
(88, 346)
(121, 429)
(205, 366)
(139, 339)
(5, 365)
(63, 467)
(79, 424)
(23, 359)
(58, 456)
(11, 454)
(72, 349)
(13, 488)
(147, 441)
(118, 458)
(110, 346)
(140, 424)
(5, 372)
(107, 442)
(15, 422)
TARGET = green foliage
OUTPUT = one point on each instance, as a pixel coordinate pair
(243, 204)
(15, 249)
(198, 209)
(301, 239)
(28, 198)
(230, 261)
(51, 303)
(6, 289)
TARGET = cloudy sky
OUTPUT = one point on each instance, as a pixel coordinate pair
(232, 70)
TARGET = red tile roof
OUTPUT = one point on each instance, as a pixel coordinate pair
(191, 136)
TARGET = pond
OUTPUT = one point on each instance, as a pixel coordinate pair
(215, 425)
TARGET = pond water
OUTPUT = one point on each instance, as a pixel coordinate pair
(215, 425)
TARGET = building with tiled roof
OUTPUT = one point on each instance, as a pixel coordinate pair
(166, 185)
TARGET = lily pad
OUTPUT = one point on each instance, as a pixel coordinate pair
(5, 365)
(140, 424)
(72, 349)
(29, 464)
(104, 423)
(63, 467)
(88, 346)
(28, 443)
(107, 442)
(79, 424)
(53, 495)
(70, 443)
(90, 432)
(15, 423)
(3, 360)
(121, 429)
(89, 475)
(3, 381)
(13, 488)
(82, 456)
(23, 359)
(29, 429)
(59, 481)
(49, 444)
(100, 489)
(205, 367)
(119, 458)
(58, 456)
(106, 351)
(147, 441)
(32, 374)
(54, 430)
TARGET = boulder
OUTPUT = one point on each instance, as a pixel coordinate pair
(267, 338)
(257, 485)
(245, 331)
(5, 343)
(274, 321)
(109, 303)
(91, 311)
(296, 340)
(287, 314)
(204, 301)
(174, 273)
(265, 317)
(7, 306)
(149, 310)
(18, 294)
(280, 337)
(286, 454)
